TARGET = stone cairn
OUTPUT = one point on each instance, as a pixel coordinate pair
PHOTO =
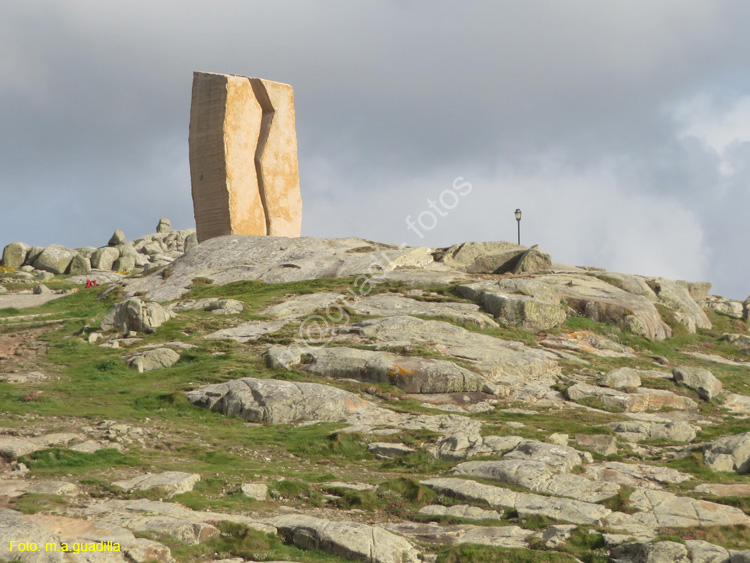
(143, 254)
(243, 157)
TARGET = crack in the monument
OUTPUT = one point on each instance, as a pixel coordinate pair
(266, 107)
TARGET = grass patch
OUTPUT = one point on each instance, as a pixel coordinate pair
(471, 553)
(56, 461)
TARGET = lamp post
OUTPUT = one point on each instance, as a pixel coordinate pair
(518, 218)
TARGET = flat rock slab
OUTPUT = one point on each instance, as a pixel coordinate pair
(527, 504)
(277, 402)
(390, 304)
(642, 399)
(410, 373)
(274, 259)
(43, 529)
(498, 536)
(346, 539)
(173, 482)
(636, 474)
(389, 450)
(500, 361)
(586, 342)
(304, 305)
(662, 508)
(17, 487)
(722, 490)
(538, 477)
(12, 447)
(464, 511)
(249, 331)
(460, 446)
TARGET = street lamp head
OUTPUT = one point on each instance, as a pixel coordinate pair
(518, 214)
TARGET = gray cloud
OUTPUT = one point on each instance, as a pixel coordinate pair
(576, 111)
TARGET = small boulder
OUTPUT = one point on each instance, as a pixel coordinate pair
(133, 314)
(389, 450)
(153, 359)
(15, 254)
(164, 226)
(80, 265)
(118, 237)
(622, 378)
(603, 444)
(55, 258)
(124, 264)
(173, 482)
(730, 453)
(698, 379)
(225, 307)
(104, 258)
(257, 491)
(41, 289)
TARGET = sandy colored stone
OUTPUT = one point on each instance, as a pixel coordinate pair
(243, 157)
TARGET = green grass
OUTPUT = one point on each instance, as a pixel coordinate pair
(470, 553)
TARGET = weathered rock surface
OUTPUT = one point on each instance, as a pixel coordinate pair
(677, 297)
(465, 511)
(249, 331)
(641, 400)
(410, 373)
(104, 258)
(173, 482)
(257, 491)
(502, 536)
(722, 490)
(527, 504)
(55, 259)
(153, 359)
(490, 257)
(601, 301)
(527, 303)
(635, 474)
(243, 157)
(699, 379)
(603, 444)
(277, 402)
(463, 445)
(636, 430)
(538, 477)
(347, 539)
(15, 254)
(133, 314)
(586, 342)
(388, 304)
(621, 378)
(648, 552)
(667, 509)
(12, 447)
(730, 453)
(499, 360)
(389, 450)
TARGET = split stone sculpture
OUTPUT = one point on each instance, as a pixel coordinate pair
(243, 157)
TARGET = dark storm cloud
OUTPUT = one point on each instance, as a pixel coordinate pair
(559, 106)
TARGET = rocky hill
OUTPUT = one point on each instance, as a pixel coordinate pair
(328, 400)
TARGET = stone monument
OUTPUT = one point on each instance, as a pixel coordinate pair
(243, 157)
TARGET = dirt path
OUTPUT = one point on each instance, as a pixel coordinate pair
(21, 301)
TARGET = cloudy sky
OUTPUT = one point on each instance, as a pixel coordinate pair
(621, 128)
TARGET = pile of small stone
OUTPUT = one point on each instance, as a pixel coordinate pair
(146, 253)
